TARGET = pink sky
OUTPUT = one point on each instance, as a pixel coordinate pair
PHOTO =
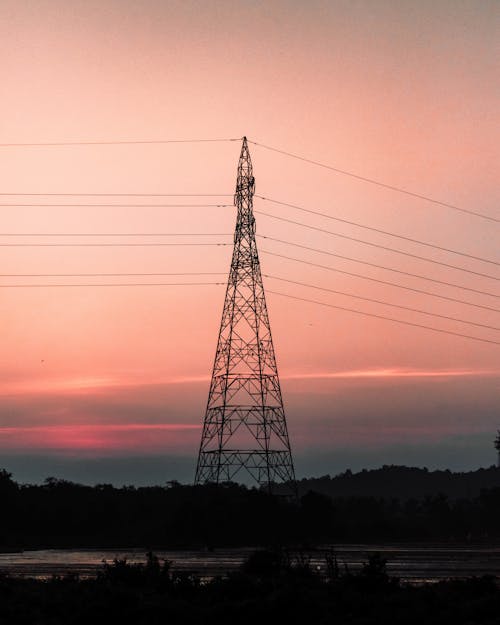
(404, 93)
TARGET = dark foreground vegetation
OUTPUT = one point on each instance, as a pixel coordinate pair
(269, 588)
(63, 514)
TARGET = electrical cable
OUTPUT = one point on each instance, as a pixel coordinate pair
(116, 234)
(378, 230)
(366, 314)
(364, 262)
(119, 194)
(382, 247)
(138, 142)
(393, 284)
(117, 205)
(376, 301)
(376, 182)
(107, 275)
(113, 284)
(109, 244)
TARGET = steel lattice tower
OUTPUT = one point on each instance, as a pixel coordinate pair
(245, 427)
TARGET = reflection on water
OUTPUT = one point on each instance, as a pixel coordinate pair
(410, 563)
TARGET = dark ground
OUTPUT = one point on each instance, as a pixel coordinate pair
(391, 504)
(269, 588)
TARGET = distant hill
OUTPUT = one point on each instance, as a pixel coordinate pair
(400, 482)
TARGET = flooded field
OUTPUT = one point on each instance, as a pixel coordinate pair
(412, 563)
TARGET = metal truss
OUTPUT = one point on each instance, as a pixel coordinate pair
(245, 430)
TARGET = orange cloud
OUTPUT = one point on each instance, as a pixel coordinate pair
(393, 372)
(95, 437)
(95, 384)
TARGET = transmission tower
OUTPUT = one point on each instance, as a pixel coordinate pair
(245, 430)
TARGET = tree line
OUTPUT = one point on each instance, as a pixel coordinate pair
(62, 514)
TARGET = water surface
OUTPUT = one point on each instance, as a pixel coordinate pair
(414, 563)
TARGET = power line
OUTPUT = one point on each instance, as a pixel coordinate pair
(268, 291)
(226, 205)
(108, 244)
(115, 234)
(378, 230)
(376, 301)
(139, 142)
(120, 194)
(107, 275)
(364, 262)
(120, 205)
(382, 247)
(366, 314)
(377, 182)
(393, 284)
(195, 234)
(113, 284)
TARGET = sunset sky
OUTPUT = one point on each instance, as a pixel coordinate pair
(110, 383)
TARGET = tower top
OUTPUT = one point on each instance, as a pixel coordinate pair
(245, 183)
